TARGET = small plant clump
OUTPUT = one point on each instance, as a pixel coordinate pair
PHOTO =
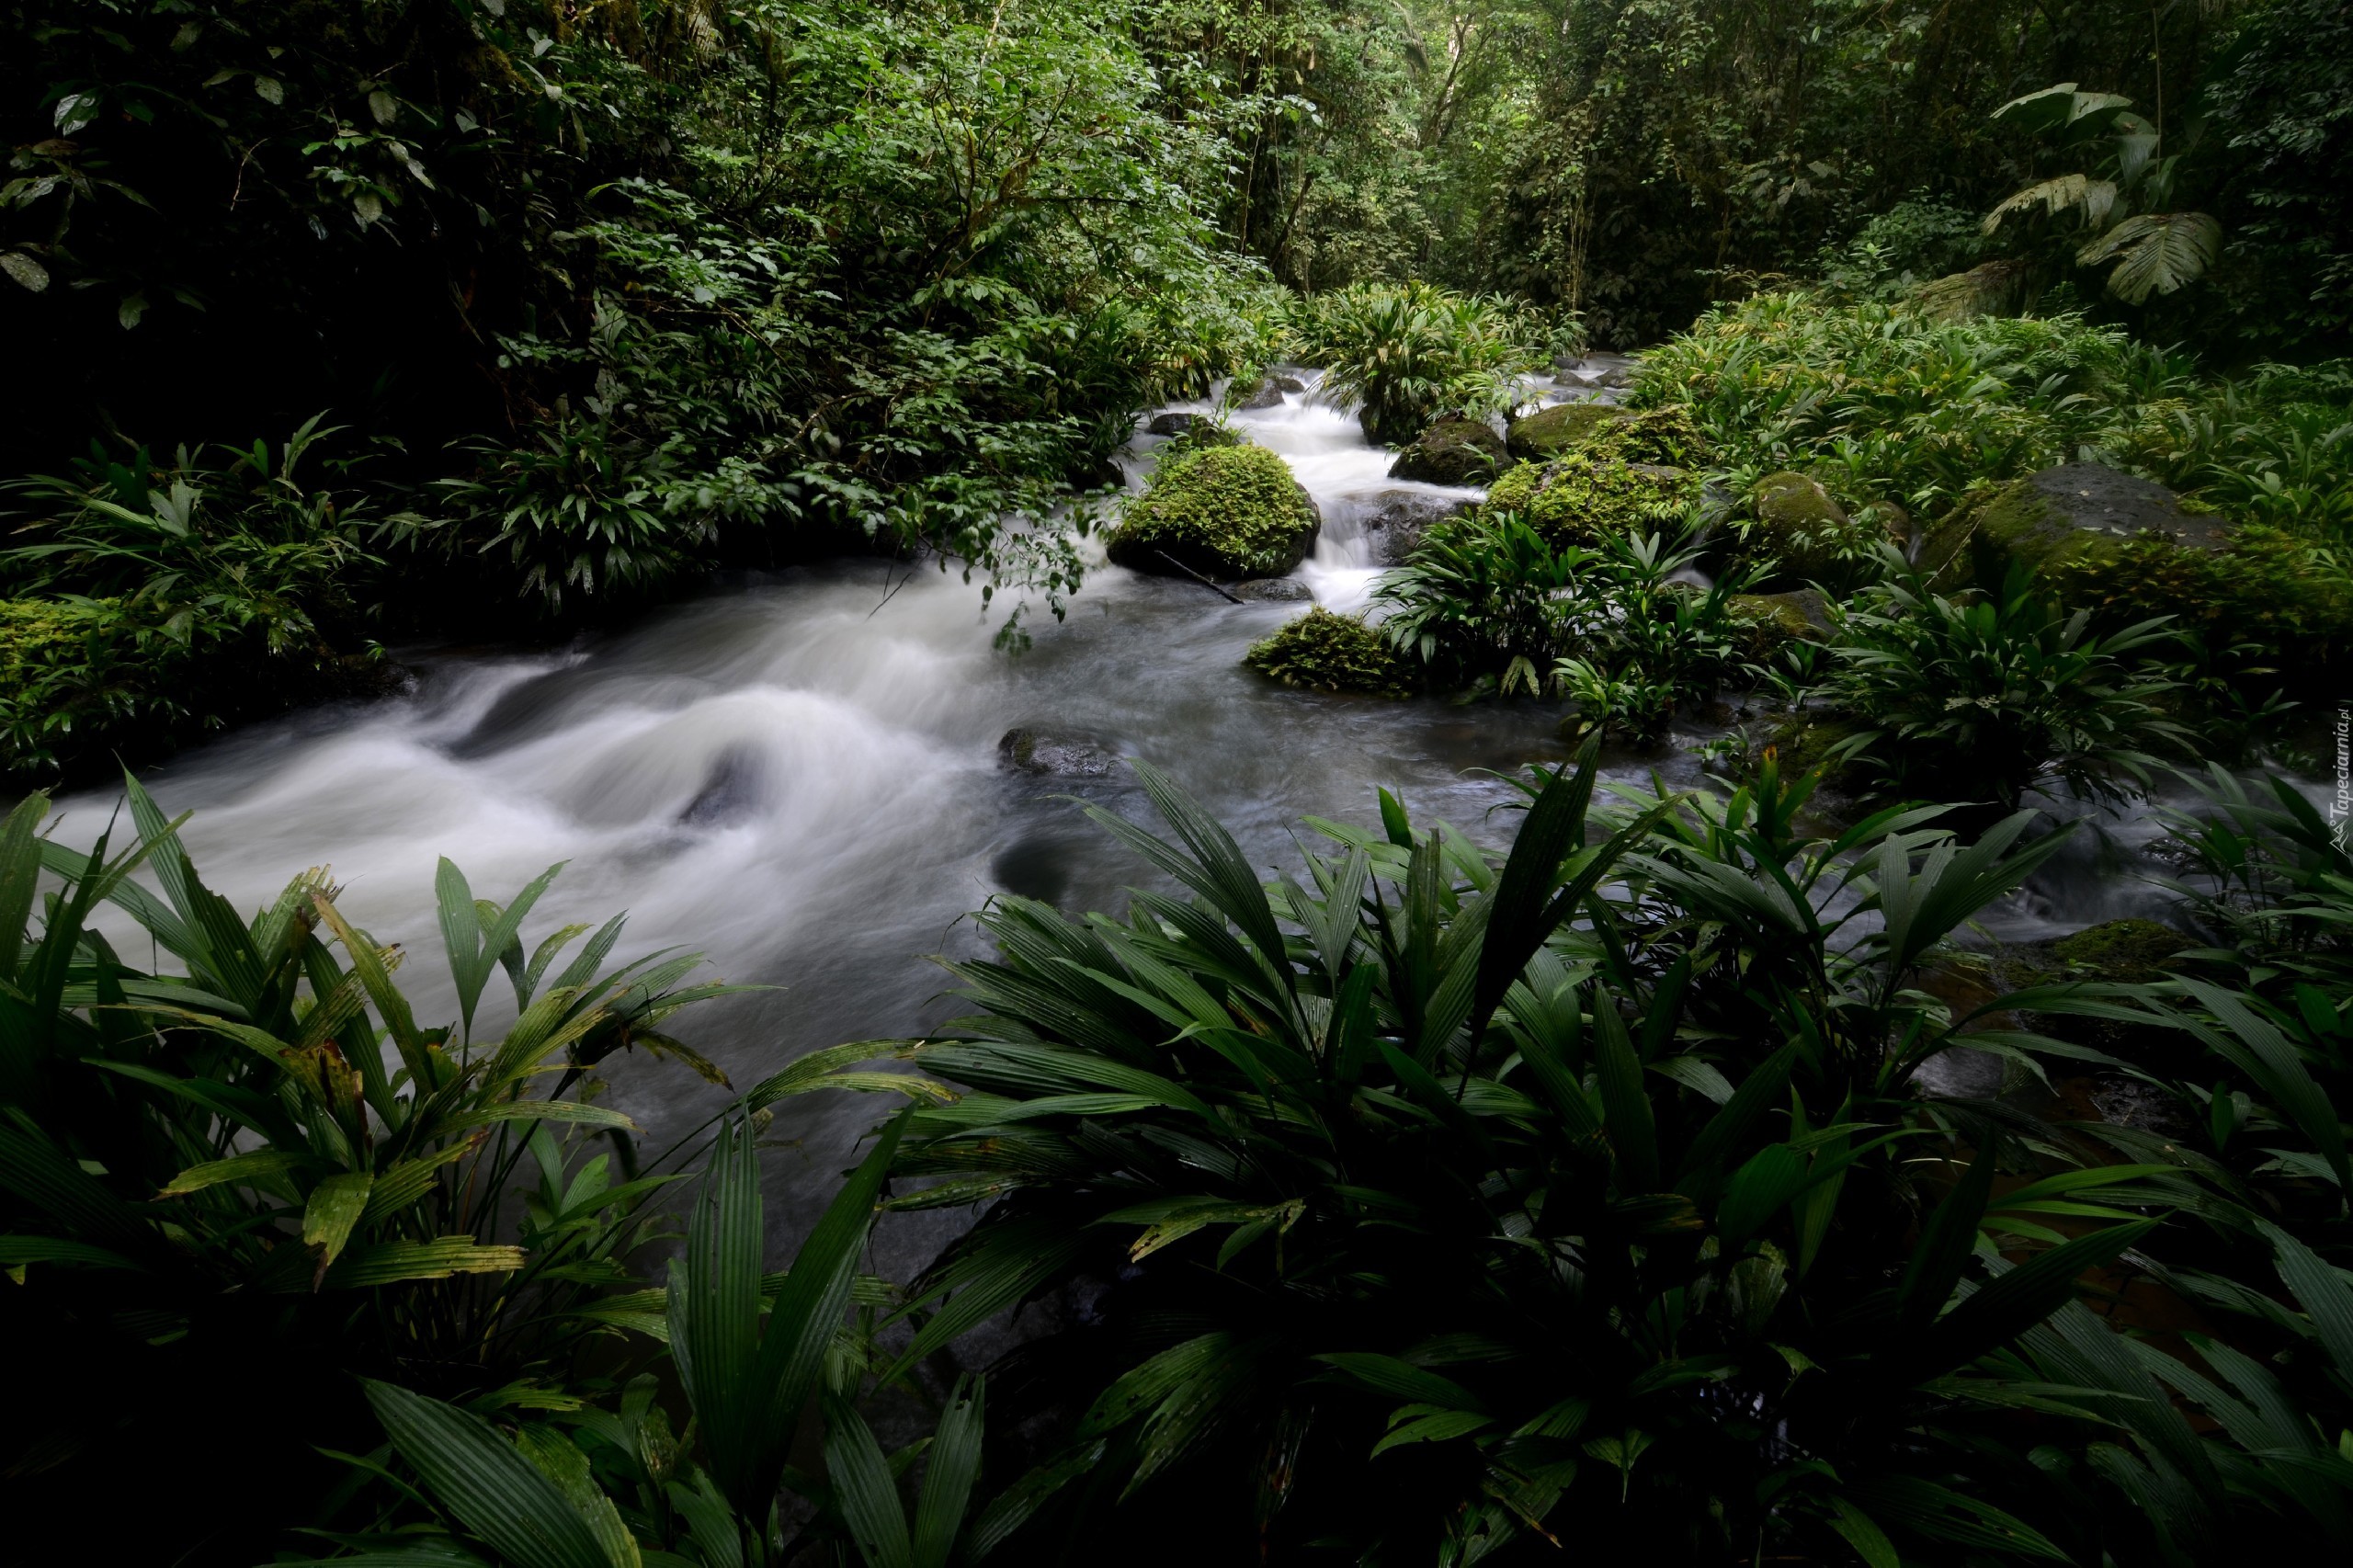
(1322, 651)
(1221, 512)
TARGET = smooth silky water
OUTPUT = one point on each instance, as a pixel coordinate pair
(799, 775)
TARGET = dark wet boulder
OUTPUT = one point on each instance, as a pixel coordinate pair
(1068, 755)
(1274, 590)
(1224, 513)
(1452, 451)
(1292, 384)
(1395, 520)
(1261, 394)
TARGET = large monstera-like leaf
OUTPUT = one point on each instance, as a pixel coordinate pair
(2156, 253)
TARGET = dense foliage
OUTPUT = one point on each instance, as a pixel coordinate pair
(1429, 1203)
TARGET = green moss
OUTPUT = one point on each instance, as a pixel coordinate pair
(1452, 452)
(1796, 525)
(1590, 495)
(1764, 624)
(2254, 587)
(1324, 652)
(73, 674)
(1224, 511)
(2266, 588)
(2121, 952)
(1663, 435)
(1549, 432)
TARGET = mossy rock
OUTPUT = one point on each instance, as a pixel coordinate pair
(1586, 497)
(2120, 952)
(2074, 513)
(2114, 953)
(1452, 451)
(1764, 624)
(1193, 430)
(1324, 651)
(1223, 512)
(2128, 551)
(1796, 525)
(1664, 435)
(1564, 426)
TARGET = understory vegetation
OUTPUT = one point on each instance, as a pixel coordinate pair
(1923, 436)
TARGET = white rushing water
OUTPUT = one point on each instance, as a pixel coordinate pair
(801, 776)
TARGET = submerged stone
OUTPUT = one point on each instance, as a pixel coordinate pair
(1070, 755)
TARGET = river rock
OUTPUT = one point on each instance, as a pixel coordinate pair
(1175, 424)
(1396, 519)
(1452, 451)
(1261, 394)
(1223, 513)
(1292, 384)
(1549, 432)
(2078, 512)
(1274, 590)
(1067, 755)
(1764, 624)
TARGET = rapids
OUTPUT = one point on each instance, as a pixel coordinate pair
(799, 775)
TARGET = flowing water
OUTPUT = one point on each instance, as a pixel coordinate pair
(802, 776)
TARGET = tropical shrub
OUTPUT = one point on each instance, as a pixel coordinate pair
(155, 600)
(1406, 354)
(1453, 1206)
(1999, 693)
(1488, 601)
(618, 1480)
(265, 1170)
(2114, 199)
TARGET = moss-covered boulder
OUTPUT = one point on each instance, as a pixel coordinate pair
(1324, 651)
(1588, 497)
(2076, 512)
(1452, 451)
(2114, 953)
(1806, 536)
(1221, 512)
(1764, 624)
(2129, 549)
(1562, 428)
(1664, 435)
